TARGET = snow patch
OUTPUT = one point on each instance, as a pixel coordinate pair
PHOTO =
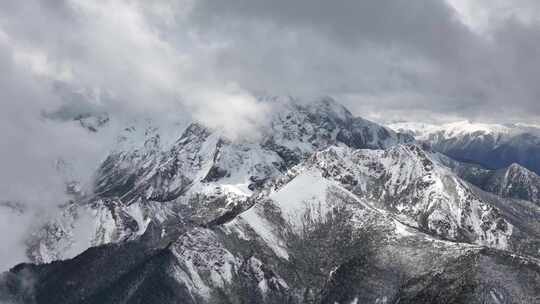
(307, 190)
(264, 229)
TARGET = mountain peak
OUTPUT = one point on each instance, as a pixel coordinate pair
(329, 106)
(517, 167)
(194, 130)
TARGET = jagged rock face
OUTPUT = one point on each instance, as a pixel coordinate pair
(301, 130)
(406, 181)
(82, 226)
(151, 174)
(515, 182)
(202, 155)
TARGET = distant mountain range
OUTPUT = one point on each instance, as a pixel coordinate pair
(490, 145)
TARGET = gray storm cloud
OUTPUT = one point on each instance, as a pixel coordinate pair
(178, 60)
(449, 57)
(390, 55)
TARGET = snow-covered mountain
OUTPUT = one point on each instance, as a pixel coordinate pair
(201, 163)
(322, 207)
(493, 146)
(514, 181)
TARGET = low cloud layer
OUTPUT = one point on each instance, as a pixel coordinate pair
(179, 60)
(450, 58)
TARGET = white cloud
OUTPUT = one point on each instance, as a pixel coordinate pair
(483, 15)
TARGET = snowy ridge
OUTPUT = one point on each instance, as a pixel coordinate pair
(405, 180)
(515, 181)
(493, 146)
(423, 131)
(82, 226)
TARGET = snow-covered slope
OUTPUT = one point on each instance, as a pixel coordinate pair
(202, 155)
(411, 184)
(515, 181)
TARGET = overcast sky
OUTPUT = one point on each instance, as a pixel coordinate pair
(427, 59)
(388, 60)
